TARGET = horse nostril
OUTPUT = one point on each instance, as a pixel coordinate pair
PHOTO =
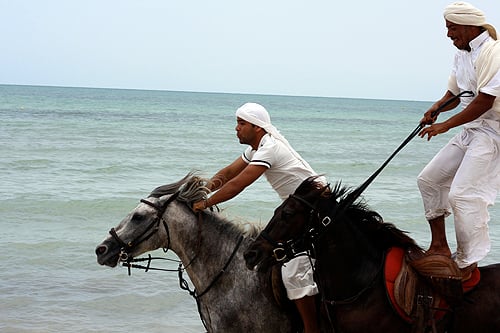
(101, 249)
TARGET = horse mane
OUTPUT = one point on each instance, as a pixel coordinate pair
(191, 188)
(383, 234)
(194, 188)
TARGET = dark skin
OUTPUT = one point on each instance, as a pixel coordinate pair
(462, 35)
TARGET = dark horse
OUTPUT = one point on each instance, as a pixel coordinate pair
(230, 298)
(349, 242)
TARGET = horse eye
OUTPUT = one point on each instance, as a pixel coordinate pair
(138, 217)
(286, 215)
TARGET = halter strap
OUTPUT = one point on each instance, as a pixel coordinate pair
(292, 247)
(304, 201)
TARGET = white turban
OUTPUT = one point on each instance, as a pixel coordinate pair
(257, 115)
(464, 13)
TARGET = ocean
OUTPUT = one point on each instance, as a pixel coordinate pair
(75, 161)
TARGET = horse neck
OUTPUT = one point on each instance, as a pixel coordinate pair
(202, 247)
(350, 260)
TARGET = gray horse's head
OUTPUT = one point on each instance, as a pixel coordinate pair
(144, 228)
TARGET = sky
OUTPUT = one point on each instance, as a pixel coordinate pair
(388, 49)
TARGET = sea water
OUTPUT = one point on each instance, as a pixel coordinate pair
(75, 161)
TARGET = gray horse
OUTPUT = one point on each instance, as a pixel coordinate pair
(230, 297)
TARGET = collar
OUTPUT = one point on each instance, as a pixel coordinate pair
(477, 42)
(264, 139)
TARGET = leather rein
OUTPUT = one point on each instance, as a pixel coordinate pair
(292, 247)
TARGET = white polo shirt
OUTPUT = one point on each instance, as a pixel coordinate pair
(285, 171)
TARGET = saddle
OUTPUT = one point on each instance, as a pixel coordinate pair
(423, 289)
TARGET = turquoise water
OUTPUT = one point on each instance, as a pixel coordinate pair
(75, 161)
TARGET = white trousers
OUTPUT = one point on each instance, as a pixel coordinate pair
(464, 177)
(297, 275)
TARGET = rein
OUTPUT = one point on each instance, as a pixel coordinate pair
(357, 192)
(282, 251)
(184, 285)
(350, 299)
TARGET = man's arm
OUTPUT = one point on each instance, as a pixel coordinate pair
(227, 173)
(236, 182)
(233, 187)
(428, 118)
(482, 103)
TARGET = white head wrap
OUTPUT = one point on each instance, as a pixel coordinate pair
(257, 115)
(464, 13)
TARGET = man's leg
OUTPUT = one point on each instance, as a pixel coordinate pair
(475, 188)
(434, 183)
(439, 243)
(307, 309)
(298, 278)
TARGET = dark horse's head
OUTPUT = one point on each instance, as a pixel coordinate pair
(314, 211)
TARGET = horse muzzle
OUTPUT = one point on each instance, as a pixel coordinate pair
(108, 255)
(251, 259)
(258, 260)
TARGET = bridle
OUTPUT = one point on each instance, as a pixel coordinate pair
(315, 228)
(293, 247)
(151, 229)
(148, 232)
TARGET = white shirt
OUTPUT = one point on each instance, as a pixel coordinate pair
(285, 172)
(464, 76)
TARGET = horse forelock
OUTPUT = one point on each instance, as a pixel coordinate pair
(312, 187)
(191, 188)
(169, 188)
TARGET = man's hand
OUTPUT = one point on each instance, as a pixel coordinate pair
(199, 206)
(429, 117)
(434, 130)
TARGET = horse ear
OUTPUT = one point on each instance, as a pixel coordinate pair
(326, 191)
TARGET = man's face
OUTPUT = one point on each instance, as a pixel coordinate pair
(461, 35)
(245, 131)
